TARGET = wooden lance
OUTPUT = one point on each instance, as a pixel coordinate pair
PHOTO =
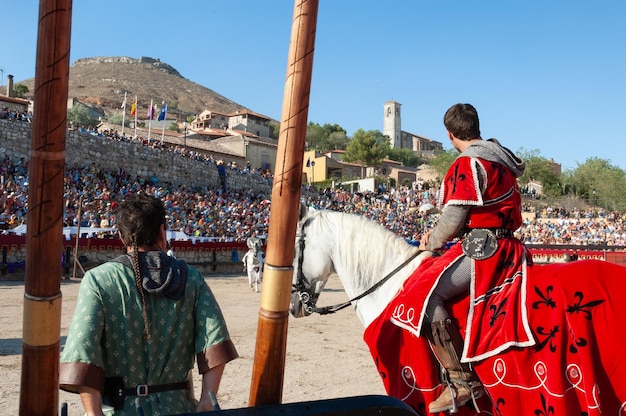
(269, 358)
(41, 333)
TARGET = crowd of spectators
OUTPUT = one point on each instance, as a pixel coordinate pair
(218, 214)
(156, 143)
(11, 115)
(558, 226)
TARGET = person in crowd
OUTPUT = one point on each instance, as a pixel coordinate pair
(221, 170)
(140, 321)
(481, 206)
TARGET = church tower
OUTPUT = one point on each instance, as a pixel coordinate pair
(392, 127)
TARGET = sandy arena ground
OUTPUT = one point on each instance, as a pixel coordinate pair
(326, 355)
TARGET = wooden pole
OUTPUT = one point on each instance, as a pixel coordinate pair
(269, 359)
(79, 215)
(39, 390)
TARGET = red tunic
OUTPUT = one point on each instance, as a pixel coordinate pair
(497, 311)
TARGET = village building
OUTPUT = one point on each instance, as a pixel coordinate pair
(398, 138)
(10, 105)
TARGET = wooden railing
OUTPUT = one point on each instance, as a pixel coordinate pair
(225, 257)
(208, 257)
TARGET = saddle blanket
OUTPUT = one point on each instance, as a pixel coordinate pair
(577, 366)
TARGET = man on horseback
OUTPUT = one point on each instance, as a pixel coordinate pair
(482, 208)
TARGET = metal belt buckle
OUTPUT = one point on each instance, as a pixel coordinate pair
(142, 390)
(480, 243)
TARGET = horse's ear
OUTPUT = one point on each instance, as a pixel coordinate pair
(303, 211)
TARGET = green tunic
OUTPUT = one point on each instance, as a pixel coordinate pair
(107, 338)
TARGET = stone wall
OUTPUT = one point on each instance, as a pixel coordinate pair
(84, 150)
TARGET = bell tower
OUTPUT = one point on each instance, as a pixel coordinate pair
(392, 127)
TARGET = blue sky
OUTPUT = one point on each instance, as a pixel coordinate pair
(544, 75)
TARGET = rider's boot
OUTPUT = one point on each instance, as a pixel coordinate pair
(460, 383)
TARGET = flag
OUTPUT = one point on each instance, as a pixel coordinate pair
(133, 108)
(150, 115)
(124, 102)
(162, 113)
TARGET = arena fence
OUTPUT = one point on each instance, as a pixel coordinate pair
(219, 258)
(210, 258)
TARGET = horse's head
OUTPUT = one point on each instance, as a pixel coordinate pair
(312, 263)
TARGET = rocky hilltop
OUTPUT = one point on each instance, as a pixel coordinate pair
(102, 82)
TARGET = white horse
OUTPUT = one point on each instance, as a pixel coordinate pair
(577, 367)
(355, 250)
(252, 265)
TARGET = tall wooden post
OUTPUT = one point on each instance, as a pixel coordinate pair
(269, 358)
(39, 390)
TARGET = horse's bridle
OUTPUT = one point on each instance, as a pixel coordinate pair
(306, 293)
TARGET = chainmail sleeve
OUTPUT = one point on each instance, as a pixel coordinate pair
(450, 223)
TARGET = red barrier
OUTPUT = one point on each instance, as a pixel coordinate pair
(551, 253)
(108, 244)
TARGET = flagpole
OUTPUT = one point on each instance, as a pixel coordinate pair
(162, 116)
(150, 117)
(269, 358)
(124, 112)
(135, 105)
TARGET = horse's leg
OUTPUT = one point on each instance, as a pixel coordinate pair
(250, 277)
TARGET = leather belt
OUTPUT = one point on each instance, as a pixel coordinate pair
(499, 232)
(144, 389)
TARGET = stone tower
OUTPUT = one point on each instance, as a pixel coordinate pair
(392, 127)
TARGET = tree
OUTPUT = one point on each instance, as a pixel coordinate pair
(406, 156)
(117, 120)
(274, 130)
(326, 138)
(601, 183)
(442, 161)
(314, 133)
(336, 140)
(367, 148)
(540, 169)
(20, 90)
(79, 116)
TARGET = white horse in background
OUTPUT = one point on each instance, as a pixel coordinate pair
(253, 268)
(575, 311)
(253, 263)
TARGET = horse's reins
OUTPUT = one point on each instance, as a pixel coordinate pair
(324, 310)
(334, 308)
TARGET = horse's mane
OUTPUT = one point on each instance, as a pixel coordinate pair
(365, 245)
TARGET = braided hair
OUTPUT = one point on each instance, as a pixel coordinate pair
(139, 220)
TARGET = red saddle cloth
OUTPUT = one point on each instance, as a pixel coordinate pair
(577, 366)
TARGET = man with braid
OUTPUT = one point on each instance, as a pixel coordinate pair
(140, 320)
(481, 208)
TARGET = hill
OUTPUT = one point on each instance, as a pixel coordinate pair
(102, 82)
